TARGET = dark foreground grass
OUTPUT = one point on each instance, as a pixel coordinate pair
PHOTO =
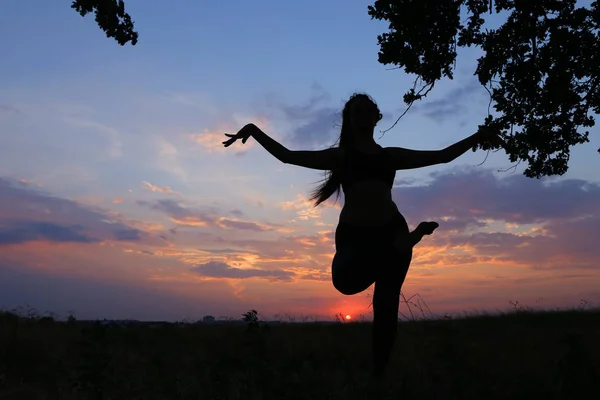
(524, 355)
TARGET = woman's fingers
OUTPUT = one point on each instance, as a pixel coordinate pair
(242, 134)
(227, 143)
(231, 140)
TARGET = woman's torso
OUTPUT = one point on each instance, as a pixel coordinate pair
(367, 179)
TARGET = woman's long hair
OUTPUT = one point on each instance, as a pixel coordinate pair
(332, 182)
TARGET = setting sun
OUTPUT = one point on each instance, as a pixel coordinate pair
(348, 316)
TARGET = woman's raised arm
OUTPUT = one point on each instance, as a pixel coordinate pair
(327, 159)
(409, 159)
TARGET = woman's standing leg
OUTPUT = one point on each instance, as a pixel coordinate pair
(386, 303)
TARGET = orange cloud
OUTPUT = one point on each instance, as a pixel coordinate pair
(211, 140)
(161, 189)
(228, 223)
(459, 266)
(304, 208)
(27, 182)
(189, 220)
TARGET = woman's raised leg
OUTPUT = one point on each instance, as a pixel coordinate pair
(351, 272)
(406, 241)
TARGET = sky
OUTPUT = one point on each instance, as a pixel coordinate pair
(117, 199)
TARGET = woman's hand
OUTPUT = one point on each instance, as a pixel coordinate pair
(242, 134)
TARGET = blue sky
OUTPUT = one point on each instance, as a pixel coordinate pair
(131, 135)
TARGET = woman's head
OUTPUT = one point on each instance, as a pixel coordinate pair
(359, 117)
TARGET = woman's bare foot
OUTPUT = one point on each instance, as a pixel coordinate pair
(407, 242)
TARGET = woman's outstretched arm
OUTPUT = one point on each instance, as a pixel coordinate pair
(275, 148)
(319, 159)
(409, 159)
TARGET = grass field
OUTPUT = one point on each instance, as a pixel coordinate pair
(519, 355)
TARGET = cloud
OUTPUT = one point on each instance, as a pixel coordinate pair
(540, 224)
(216, 269)
(318, 130)
(243, 225)
(14, 232)
(527, 232)
(199, 101)
(27, 214)
(130, 235)
(558, 245)
(211, 140)
(314, 124)
(237, 213)
(169, 159)
(451, 104)
(307, 256)
(304, 208)
(193, 217)
(160, 189)
(9, 109)
(181, 214)
(468, 195)
(300, 112)
(114, 137)
(301, 253)
(92, 298)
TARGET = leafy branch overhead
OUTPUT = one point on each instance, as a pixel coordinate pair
(541, 66)
(110, 17)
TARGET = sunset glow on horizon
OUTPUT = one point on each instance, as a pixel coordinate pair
(118, 200)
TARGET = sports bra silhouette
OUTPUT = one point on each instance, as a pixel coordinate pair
(359, 166)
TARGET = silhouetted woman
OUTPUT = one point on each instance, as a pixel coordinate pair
(372, 240)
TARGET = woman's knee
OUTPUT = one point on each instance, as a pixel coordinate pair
(350, 285)
(345, 287)
(347, 277)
